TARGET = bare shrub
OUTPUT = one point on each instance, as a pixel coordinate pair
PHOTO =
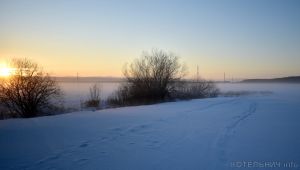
(28, 92)
(94, 97)
(122, 97)
(150, 78)
(196, 89)
(156, 77)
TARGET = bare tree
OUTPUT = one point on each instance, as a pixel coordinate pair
(158, 76)
(29, 91)
(151, 77)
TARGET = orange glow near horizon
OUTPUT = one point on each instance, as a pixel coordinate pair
(5, 70)
(93, 39)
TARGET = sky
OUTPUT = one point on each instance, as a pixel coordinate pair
(243, 38)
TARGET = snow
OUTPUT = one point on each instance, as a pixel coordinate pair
(215, 133)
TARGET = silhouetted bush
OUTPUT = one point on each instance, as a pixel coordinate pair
(150, 79)
(157, 77)
(122, 96)
(94, 97)
(28, 92)
(196, 89)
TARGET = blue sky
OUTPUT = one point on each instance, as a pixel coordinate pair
(245, 39)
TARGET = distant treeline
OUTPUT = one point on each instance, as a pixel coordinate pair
(109, 79)
(292, 79)
(89, 79)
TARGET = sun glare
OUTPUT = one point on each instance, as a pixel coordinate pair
(5, 71)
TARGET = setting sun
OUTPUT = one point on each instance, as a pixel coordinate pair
(5, 71)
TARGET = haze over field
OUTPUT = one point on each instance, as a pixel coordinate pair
(245, 39)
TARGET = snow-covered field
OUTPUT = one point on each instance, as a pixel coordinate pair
(258, 131)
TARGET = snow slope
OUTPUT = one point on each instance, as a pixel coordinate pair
(217, 133)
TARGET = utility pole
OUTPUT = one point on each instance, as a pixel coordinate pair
(224, 77)
(197, 73)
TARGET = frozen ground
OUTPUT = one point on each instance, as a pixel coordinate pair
(218, 133)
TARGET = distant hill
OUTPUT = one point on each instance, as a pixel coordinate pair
(292, 79)
(88, 79)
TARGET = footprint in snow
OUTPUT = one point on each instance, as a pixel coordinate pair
(81, 161)
(103, 138)
(50, 158)
(117, 129)
(139, 128)
(153, 144)
(83, 145)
